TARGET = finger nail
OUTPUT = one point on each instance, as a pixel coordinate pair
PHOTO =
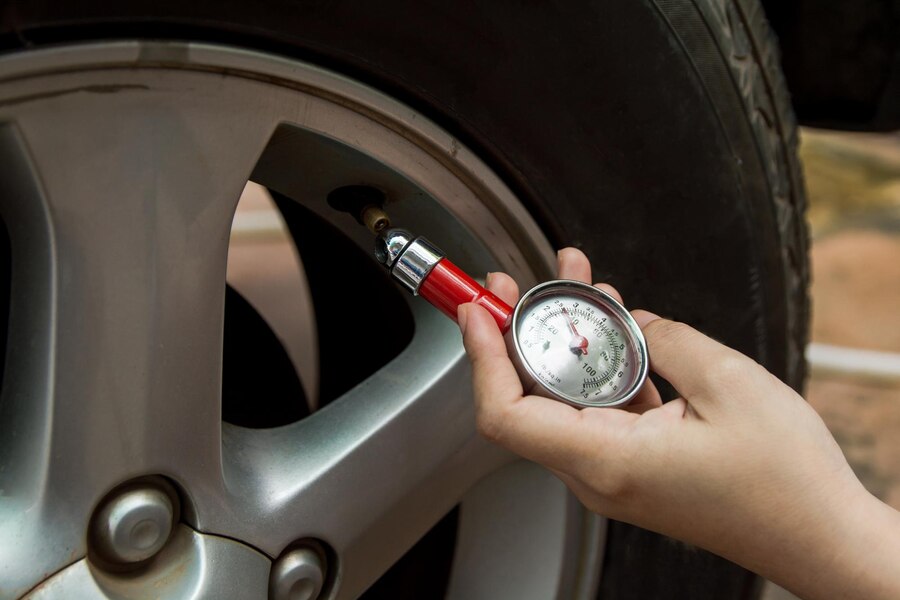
(461, 316)
(487, 279)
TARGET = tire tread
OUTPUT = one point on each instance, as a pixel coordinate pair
(752, 54)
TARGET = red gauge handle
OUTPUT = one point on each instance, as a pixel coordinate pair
(447, 286)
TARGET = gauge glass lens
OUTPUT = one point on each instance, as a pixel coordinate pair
(578, 345)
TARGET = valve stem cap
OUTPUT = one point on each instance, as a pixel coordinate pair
(375, 219)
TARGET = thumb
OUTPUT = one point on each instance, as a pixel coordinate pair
(543, 430)
(700, 368)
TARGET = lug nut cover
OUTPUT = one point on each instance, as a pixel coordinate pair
(133, 525)
(297, 575)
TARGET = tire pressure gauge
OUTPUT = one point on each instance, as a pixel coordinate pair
(569, 341)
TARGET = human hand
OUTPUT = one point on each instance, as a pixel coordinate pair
(740, 464)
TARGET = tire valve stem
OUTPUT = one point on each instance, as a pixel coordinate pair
(375, 219)
(364, 203)
(414, 262)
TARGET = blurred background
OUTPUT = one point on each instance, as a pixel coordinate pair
(853, 182)
(853, 186)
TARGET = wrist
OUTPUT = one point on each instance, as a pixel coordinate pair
(871, 554)
(848, 547)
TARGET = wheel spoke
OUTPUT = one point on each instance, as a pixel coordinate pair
(370, 473)
(540, 524)
(137, 194)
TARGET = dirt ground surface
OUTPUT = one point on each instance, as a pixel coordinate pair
(856, 289)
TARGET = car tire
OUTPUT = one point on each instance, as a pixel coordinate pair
(655, 135)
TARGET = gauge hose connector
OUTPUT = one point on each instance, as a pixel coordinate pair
(410, 259)
(420, 267)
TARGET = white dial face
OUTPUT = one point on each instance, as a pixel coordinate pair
(578, 347)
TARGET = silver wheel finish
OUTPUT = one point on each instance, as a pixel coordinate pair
(192, 566)
(122, 165)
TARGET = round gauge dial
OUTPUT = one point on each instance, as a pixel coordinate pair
(579, 344)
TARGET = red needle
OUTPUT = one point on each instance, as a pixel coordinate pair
(578, 344)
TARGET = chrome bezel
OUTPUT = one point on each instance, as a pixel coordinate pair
(530, 380)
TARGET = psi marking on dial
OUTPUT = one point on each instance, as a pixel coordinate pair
(579, 347)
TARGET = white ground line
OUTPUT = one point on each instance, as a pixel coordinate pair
(840, 360)
(261, 225)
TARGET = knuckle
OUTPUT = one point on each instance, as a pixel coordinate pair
(729, 370)
(620, 480)
(662, 332)
(613, 482)
(668, 338)
(489, 424)
(610, 469)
